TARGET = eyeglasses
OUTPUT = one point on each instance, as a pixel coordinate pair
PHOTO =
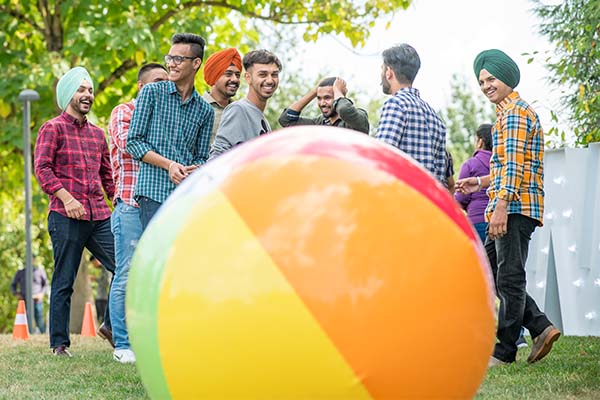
(177, 59)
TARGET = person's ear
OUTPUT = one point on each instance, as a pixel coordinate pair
(389, 73)
(197, 63)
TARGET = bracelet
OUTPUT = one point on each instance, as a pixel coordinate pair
(70, 201)
(170, 165)
(479, 182)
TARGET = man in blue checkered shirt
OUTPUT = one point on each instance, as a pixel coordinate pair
(170, 127)
(407, 122)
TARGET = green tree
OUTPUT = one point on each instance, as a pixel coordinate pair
(574, 27)
(465, 112)
(43, 39)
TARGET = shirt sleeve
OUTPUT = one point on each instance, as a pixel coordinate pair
(392, 123)
(463, 199)
(355, 118)
(106, 170)
(514, 128)
(291, 118)
(120, 119)
(44, 155)
(203, 140)
(230, 130)
(13, 284)
(137, 144)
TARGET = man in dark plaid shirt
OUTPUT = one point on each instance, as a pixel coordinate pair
(72, 165)
(407, 122)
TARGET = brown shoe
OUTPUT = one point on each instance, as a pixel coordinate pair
(106, 334)
(542, 344)
(61, 351)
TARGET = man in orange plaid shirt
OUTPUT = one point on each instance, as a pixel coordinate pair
(516, 206)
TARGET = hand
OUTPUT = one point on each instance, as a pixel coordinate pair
(191, 168)
(339, 88)
(467, 185)
(177, 172)
(499, 221)
(74, 208)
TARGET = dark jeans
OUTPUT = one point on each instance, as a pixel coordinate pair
(148, 208)
(507, 256)
(69, 238)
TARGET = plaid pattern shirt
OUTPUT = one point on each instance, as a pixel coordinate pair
(411, 125)
(124, 167)
(179, 131)
(74, 156)
(517, 163)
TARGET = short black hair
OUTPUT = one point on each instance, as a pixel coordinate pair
(196, 43)
(260, 57)
(148, 67)
(327, 81)
(404, 60)
(484, 132)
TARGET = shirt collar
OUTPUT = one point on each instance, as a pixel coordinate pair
(72, 119)
(411, 90)
(211, 100)
(173, 89)
(511, 98)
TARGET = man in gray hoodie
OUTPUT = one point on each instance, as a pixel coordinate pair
(244, 120)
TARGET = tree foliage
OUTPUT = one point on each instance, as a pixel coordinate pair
(43, 39)
(465, 112)
(574, 27)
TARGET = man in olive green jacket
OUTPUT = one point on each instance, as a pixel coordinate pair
(336, 108)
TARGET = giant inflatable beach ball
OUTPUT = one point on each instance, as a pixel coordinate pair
(310, 263)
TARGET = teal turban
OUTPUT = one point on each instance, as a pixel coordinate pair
(68, 85)
(497, 63)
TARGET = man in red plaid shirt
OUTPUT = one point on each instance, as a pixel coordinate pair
(72, 165)
(125, 221)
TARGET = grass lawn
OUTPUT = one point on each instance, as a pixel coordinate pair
(29, 371)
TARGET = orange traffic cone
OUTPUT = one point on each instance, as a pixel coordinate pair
(88, 327)
(21, 330)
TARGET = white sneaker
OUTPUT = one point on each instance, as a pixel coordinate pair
(124, 356)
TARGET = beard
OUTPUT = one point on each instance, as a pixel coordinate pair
(330, 114)
(79, 108)
(385, 85)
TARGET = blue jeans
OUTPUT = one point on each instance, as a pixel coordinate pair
(148, 208)
(481, 228)
(127, 229)
(507, 256)
(69, 237)
(38, 315)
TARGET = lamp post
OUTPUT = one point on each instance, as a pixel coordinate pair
(27, 96)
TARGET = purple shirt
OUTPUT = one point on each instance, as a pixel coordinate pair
(475, 203)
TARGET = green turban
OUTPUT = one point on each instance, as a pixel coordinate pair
(497, 63)
(68, 85)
